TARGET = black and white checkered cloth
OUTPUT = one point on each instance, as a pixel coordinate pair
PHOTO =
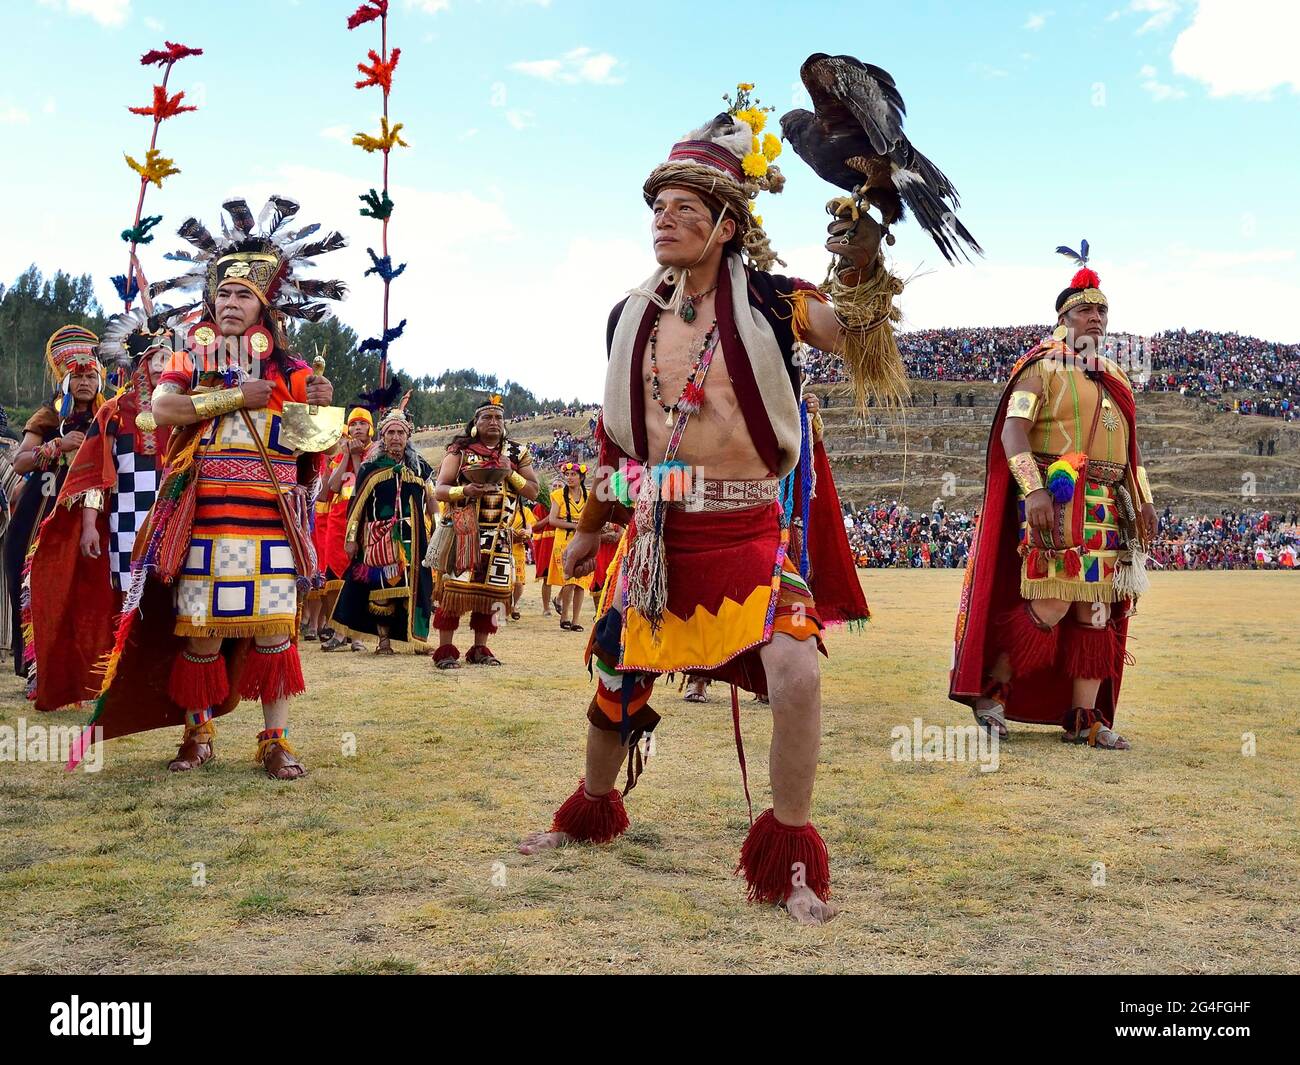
(137, 488)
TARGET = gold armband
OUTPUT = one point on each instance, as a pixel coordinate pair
(214, 404)
(1023, 405)
(455, 493)
(818, 426)
(353, 528)
(146, 422)
(93, 499)
(1025, 470)
(1144, 487)
(517, 481)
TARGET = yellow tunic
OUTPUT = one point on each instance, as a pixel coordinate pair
(568, 511)
(1063, 424)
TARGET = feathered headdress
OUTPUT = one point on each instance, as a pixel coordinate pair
(262, 254)
(493, 402)
(1085, 286)
(397, 416)
(134, 333)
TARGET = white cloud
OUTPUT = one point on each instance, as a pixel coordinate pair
(467, 134)
(342, 134)
(1160, 13)
(50, 106)
(1241, 47)
(1037, 21)
(105, 12)
(429, 7)
(519, 119)
(578, 65)
(12, 115)
(151, 23)
(462, 308)
(1158, 90)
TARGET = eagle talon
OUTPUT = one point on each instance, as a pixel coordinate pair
(844, 206)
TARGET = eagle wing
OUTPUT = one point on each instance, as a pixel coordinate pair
(849, 93)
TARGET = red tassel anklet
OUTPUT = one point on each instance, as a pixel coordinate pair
(777, 858)
(1087, 652)
(591, 819)
(198, 682)
(272, 673)
(1030, 644)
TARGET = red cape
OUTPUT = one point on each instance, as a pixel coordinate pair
(992, 582)
(73, 602)
(833, 575)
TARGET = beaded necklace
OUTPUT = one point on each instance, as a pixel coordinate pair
(690, 394)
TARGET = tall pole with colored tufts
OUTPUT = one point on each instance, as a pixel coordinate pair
(378, 71)
(154, 169)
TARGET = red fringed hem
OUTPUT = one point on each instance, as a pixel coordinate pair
(1088, 652)
(482, 623)
(198, 682)
(591, 820)
(446, 652)
(776, 858)
(272, 673)
(445, 620)
(1030, 646)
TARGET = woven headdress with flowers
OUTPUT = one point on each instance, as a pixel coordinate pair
(731, 160)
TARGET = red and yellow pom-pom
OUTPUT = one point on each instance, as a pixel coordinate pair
(1085, 278)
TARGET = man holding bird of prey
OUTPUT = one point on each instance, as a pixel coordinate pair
(692, 458)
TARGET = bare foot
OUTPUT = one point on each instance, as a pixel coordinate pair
(543, 841)
(805, 907)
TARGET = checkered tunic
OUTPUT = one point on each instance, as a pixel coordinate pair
(137, 487)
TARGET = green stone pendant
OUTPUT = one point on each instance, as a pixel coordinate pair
(688, 313)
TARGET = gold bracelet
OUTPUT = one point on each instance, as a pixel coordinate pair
(93, 499)
(1022, 405)
(215, 404)
(351, 536)
(517, 481)
(455, 493)
(1144, 487)
(1025, 470)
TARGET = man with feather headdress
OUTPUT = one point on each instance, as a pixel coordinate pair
(1059, 554)
(702, 582)
(211, 613)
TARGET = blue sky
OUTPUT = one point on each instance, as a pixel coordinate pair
(1164, 131)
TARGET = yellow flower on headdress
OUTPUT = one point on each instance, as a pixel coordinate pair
(745, 86)
(771, 147)
(755, 117)
(758, 220)
(754, 164)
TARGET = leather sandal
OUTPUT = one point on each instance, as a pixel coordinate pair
(278, 760)
(195, 748)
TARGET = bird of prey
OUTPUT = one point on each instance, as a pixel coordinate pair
(854, 139)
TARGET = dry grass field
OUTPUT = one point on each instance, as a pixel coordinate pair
(386, 861)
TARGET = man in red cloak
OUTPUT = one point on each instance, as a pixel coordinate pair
(1057, 560)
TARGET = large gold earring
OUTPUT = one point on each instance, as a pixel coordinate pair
(473, 430)
(1060, 332)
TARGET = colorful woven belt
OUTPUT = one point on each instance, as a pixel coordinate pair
(246, 471)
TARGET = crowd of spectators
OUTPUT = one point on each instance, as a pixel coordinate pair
(885, 535)
(892, 535)
(1201, 364)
